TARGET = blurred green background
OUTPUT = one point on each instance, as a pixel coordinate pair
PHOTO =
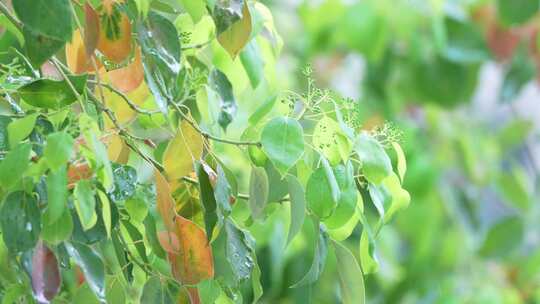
(458, 78)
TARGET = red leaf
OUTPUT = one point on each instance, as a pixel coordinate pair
(91, 29)
(45, 274)
(128, 78)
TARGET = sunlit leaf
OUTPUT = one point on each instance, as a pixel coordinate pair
(45, 274)
(348, 200)
(185, 148)
(376, 164)
(195, 8)
(57, 194)
(165, 203)
(253, 63)
(401, 161)
(282, 141)
(129, 78)
(14, 164)
(328, 138)
(85, 203)
(58, 150)
(233, 24)
(20, 129)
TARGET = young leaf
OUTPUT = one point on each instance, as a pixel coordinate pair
(52, 94)
(330, 140)
(401, 161)
(282, 140)
(319, 197)
(221, 85)
(21, 221)
(258, 192)
(351, 279)
(14, 164)
(195, 8)
(298, 207)
(161, 58)
(49, 18)
(91, 265)
(368, 259)
(58, 150)
(57, 194)
(376, 164)
(45, 274)
(252, 62)
(319, 258)
(185, 148)
(20, 129)
(85, 203)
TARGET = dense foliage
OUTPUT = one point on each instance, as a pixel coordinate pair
(150, 156)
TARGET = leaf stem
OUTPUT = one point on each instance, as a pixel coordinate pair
(4, 9)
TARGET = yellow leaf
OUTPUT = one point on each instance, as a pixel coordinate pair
(182, 151)
(237, 35)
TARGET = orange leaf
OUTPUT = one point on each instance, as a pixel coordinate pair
(114, 34)
(165, 202)
(128, 78)
(91, 29)
(193, 262)
(76, 56)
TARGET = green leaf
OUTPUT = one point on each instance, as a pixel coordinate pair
(21, 128)
(298, 207)
(319, 194)
(252, 62)
(351, 279)
(57, 194)
(52, 94)
(4, 123)
(121, 256)
(21, 221)
(125, 182)
(400, 198)
(279, 184)
(227, 103)
(223, 192)
(14, 164)
(160, 47)
(106, 215)
(40, 48)
(50, 18)
(376, 164)
(319, 258)
(263, 110)
(258, 192)
(59, 230)
(368, 260)
(137, 209)
(516, 12)
(207, 197)
(348, 199)
(155, 291)
(330, 140)
(209, 291)
(520, 72)
(99, 158)
(239, 250)
(401, 161)
(514, 187)
(85, 204)
(136, 240)
(464, 42)
(282, 140)
(195, 8)
(58, 150)
(233, 25)
(91, 265)
(503, 237)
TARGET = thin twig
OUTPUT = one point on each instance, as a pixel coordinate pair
(210, 136)
(68, 81)
(130, 103)
(4, 9)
